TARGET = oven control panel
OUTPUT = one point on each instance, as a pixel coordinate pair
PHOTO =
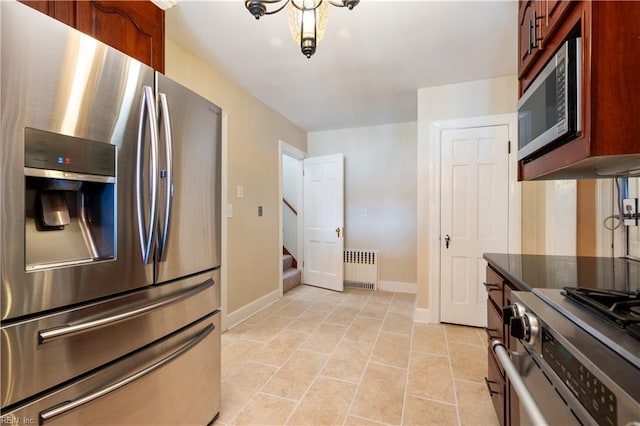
(592, 393)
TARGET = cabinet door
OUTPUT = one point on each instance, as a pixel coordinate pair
(526, 35)
(62, 10)
(495, 287)
(495, 329)
(553, 12)
(496, 387)
(133, 27)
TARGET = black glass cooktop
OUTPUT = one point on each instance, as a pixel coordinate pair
(529, 272)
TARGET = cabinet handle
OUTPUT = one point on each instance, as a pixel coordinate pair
(536, 39)
(529, 44)
(488, 331)
(491, 287)
(489, 383)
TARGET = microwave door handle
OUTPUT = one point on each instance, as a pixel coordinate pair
(511, 372)
(165, 120)
(146, 232)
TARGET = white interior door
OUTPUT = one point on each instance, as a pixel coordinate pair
(324, 221)
(474, 217)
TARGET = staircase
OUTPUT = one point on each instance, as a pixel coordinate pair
(291, 276)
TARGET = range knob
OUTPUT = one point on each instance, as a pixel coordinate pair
(525, 328)
(510, 311)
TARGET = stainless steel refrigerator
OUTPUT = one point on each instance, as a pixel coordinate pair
(110, 235)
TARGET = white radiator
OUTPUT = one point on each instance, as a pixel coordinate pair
(361, 268)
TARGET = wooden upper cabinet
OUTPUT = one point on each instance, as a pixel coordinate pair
(62, 10)
(537, 21)
(553, 11)
(609, 142)
(133, 27)
(526, 48)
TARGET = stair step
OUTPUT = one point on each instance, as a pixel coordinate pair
(291, 278)
(287, 261)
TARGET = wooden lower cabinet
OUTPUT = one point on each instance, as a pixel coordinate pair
(495, 287)
(505, 401)
(496, 387)
(513, 405)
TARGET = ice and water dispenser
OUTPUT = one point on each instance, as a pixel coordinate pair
(70, 200)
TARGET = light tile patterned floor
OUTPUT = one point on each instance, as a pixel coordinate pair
(317, 357)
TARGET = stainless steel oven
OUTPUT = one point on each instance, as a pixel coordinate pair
(567, 371)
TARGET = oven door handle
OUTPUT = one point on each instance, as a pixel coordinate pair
(511, 371)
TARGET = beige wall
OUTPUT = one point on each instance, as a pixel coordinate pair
(253, 255)
(448, 102)
(380, 176)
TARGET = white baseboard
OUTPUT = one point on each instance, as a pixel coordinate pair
(239, 315)
(422, 316)
(397, 286)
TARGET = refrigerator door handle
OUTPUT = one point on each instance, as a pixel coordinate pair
(58, 410)
(147, 115)
(46, 336)
(165, 120)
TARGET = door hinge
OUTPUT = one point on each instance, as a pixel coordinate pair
(509, 147)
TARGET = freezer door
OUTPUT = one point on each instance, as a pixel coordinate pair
(45, 351)
(61, 81)
(173, 382)
(189, 200)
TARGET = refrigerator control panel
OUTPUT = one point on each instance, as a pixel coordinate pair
(53, 151)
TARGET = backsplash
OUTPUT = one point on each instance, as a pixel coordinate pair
(550, 210)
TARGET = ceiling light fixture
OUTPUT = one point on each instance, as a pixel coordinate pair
(307, 18)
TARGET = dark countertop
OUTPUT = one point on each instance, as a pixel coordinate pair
(527, 271)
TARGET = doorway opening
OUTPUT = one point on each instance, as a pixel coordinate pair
(291, 215)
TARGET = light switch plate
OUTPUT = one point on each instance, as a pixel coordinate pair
(630, 211)
(240, 191)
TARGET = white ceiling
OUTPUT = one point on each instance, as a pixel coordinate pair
(368, 67)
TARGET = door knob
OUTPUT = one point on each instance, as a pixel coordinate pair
(447, 240)
(338, 231)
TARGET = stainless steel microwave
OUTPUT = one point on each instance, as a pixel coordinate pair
(550, 110)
